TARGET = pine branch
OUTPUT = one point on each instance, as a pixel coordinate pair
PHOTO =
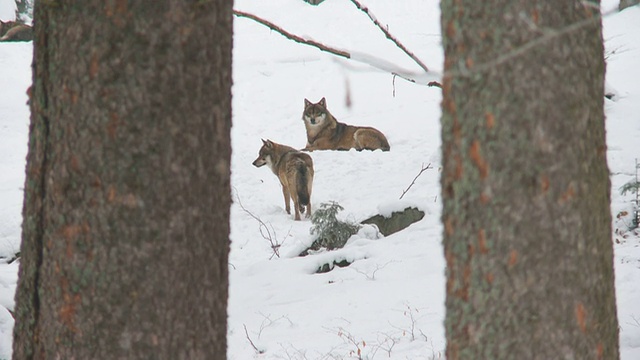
(389, 35)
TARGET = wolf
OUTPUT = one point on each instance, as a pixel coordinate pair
(13, 31)
(294, 169)
(324, 132)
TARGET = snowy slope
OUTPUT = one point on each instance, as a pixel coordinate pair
(15, 78)
(623, 141)
(390, 302)
(289, 311)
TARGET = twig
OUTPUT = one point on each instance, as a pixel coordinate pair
(348, 338)
(388, 348)
(267, 322)
(251, 342)
(404, 77)
(389, 35)
(269, 235)
(291, 36)
(393, 83)
(413, 320)
(372, 277)
(415, 178)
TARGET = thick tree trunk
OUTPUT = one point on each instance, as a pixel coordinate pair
(525, 183)
(126, 216)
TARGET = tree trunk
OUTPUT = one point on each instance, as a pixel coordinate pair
(527, 224)
(126, 216)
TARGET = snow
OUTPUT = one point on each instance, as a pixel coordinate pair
(389, 303)
(7, 10)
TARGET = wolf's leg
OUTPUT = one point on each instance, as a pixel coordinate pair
(296, 205)
(287, 199)
(309, 186)
(358, 141)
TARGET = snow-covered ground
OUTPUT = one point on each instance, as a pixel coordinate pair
(389, 303)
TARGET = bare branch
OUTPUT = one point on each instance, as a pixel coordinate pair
(267, 322)
(291, 36)
(389, 35)
(388, 344)
(265, 232)
(250, 341)
(341, 53)
(423, 169)
(411, 314)
(372, 276)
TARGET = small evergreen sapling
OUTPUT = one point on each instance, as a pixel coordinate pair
(331, 232)
(631, 186)
(634, 187)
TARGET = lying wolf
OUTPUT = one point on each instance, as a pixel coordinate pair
(324, 132)
(13, 31)
(294, 169)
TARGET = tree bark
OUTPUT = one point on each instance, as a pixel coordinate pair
(526, 191)
(127, 195)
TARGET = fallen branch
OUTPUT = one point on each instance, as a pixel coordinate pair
(389, 35)
(415, 178)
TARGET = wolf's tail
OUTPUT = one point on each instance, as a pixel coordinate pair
(302, 184)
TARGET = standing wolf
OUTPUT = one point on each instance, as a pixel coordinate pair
(294, 169)
(324, 132)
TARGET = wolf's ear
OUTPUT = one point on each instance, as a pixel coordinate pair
(307, 103)
(268, 143)
(323, 102)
